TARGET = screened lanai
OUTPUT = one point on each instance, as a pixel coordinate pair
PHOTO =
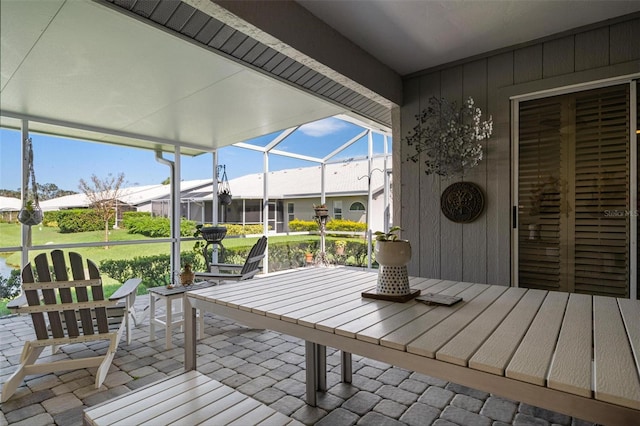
(94, 71)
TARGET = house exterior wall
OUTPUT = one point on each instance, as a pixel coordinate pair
(481, 251)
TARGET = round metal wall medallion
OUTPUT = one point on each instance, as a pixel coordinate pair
(462, 202)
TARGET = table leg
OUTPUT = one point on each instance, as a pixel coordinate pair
(169, 325)
(152, 316)
(201, 321)
(346, 370)
(189, 336)
(311, 353)
(321, 369)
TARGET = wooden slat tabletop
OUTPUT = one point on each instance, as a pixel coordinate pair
(534, 336)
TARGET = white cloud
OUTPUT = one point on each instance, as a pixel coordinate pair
(324, 127)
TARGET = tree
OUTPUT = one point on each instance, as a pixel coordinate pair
(49, 191)
(103, 195)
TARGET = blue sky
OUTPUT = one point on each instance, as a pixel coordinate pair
(64, 161)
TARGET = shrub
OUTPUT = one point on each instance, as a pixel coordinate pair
(154, 227)
(51, 218)
(346, 225)
(153, 270)
(239, 230)
(10, 287)
(298, 225)
(80, 220)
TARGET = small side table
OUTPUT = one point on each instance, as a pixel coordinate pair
(173, 298)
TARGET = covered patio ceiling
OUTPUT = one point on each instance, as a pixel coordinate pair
(82, 70)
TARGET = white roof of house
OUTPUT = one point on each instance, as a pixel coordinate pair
(134, 195)
(10, 204)
(341, 179)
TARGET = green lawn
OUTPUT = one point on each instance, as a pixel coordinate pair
(42, 235)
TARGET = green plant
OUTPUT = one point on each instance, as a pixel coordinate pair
(340, 244)
(346, 225)
(80, 220)
(298, 225)
(392, 235)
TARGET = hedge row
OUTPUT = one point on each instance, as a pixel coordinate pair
(298, 225)
(154, 227)
(80, 220)
(155, 270)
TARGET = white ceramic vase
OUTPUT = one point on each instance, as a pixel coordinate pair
(393, 257)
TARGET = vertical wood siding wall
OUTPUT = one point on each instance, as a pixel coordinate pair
(481, 251)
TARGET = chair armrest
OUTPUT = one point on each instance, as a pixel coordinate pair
(210, 275)
(226, 266)
(129, 287)
(17, 302)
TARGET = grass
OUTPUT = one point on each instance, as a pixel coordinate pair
(43, 235)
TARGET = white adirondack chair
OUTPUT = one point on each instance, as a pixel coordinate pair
(90, 318)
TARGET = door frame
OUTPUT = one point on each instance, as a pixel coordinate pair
(633, 160)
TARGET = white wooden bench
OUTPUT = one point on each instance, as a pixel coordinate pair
(187, 399)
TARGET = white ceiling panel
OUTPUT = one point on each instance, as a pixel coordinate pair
(99, 70)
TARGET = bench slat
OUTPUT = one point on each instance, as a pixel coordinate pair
(188, 399)
(571, 367)
(202, 411)
(533, 356)
(180, 405)
(134, 402)
(613, 363)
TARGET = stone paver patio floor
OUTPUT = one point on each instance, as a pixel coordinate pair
(263, 364)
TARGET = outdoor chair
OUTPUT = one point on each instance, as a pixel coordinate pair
(230, 272)
(91, 318)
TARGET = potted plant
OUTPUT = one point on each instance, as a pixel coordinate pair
(30, 214)
(308, 257)
(187, 275)
(211, 234)
(224, 197)
(340, 245)
(321, 210)
(392, 254)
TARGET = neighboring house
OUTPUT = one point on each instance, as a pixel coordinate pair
(292, 195)
(9, 208)
(134, 198)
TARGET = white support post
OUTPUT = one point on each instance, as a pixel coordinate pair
(176, 199)
(323, 195)
(214, 204)
(265, 209)
(369, 194)
(26, 230)
(387, 187)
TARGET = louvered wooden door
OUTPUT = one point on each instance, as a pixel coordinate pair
(574, 192)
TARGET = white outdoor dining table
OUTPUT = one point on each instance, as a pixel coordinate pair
(572, 353)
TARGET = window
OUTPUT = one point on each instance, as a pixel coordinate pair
(290, 212)
(357, 207)
(337, 209)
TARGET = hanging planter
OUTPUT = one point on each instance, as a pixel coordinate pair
(449, 138)
(224, 190)
(30, 214)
